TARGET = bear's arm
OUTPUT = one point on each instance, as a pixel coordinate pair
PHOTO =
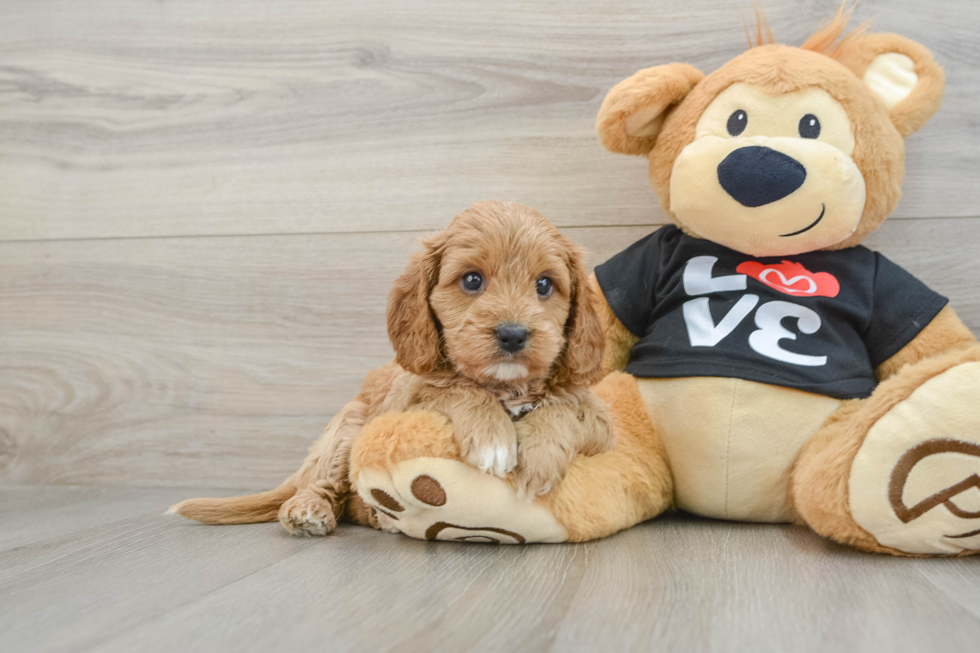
(945, 332)
(619, 339)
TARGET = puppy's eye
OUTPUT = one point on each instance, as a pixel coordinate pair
(737, 122)
(809, 126)
(545, 286)
(472, 282)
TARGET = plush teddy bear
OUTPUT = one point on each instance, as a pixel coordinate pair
(776, 370)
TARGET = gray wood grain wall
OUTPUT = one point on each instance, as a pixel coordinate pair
(203, 204)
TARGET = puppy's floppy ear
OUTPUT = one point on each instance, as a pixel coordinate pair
(901, 73)
(580, 363)
(634, 110)
(412, 327)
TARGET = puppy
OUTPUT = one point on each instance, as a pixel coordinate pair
(493, 326)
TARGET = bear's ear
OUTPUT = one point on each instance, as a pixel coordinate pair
(634, 110)
(901, 73)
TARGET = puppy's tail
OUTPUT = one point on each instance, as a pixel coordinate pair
(249, 509)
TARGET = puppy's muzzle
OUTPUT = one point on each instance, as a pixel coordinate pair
(511, 337)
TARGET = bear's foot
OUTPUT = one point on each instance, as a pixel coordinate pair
(442, 499)
(408, 468)
(914, 484)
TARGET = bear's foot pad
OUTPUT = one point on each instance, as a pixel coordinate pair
(443, 499)
(915, 482)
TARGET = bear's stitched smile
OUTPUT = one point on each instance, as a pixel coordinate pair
(823, 209)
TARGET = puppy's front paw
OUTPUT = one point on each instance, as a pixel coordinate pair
(493, 457)
(307, 514)
(540, 469)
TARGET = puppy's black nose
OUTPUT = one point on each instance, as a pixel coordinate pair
(756, 175)
(511, 337)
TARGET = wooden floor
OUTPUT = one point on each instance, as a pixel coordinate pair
(203, 205)
(101, 569)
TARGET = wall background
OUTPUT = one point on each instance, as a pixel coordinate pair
(203, 204)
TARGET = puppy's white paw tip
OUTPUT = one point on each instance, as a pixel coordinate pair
(497, 460)
(484, 460)
(505, 460)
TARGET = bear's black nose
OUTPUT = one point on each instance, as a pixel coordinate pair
(511, 337)
(756, 175)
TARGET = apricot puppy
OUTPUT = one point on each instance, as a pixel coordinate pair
(493, 326)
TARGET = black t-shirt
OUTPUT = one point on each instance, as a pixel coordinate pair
(820, 321)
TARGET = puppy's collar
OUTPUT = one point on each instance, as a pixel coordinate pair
(517, 412)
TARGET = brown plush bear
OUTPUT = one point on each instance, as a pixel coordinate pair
(778, 370)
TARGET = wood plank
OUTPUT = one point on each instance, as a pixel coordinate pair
(203, 117)
(116, 352)
(37, 513)
(744, 587)
(961, 584)
(217, 361)
(71, 591)
(150, 583)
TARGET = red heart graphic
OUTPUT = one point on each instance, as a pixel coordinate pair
(792, 278)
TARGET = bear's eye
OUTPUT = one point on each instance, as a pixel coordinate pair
(737, 122)
(472, 282)
(809, 126)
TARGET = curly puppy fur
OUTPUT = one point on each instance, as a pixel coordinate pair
(528, 411)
